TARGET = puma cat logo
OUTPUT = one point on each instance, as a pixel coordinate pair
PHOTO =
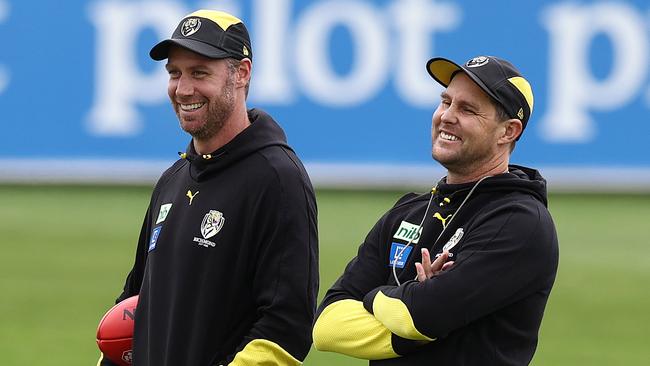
(438, 216)
(191, 195)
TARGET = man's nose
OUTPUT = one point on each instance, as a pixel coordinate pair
(449, 115)
(184, 87)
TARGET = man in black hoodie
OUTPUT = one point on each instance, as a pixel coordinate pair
(460, 275)
(226, 266)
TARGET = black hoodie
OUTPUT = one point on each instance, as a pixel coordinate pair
(485, 310)
(227, 258)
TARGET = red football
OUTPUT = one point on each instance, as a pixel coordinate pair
(115, 332)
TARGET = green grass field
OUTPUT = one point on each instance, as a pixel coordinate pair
(65, 252)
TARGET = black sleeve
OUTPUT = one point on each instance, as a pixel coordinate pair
(342, 325)
(286, 274)
(134, 278)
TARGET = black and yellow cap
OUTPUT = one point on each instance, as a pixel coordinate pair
(211, 33)
(497, 77)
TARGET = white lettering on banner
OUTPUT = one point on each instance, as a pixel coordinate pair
(4, 73)
(416, 21)
(573, 91)
(120, 83)
(368, 30)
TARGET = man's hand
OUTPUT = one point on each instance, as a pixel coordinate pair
(426, 269)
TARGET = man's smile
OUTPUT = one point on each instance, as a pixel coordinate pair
(191, 107)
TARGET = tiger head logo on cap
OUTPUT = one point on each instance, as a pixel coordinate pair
(190, 26)
(477, 61)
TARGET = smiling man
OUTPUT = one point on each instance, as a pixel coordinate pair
(226, 266)
(460, 275)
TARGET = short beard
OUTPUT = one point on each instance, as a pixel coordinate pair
(219, 111)
(465, 162)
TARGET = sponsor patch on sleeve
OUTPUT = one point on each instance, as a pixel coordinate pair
(399, 254)
(154, 237)
(408, 232)
(164, 211)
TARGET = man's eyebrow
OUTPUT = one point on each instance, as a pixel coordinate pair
(460, 102)
(197, 67)
(465, 103)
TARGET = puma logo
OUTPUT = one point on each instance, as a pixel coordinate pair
(438, 216)
(191, 196)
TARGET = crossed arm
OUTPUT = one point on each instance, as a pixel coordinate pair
(345, 326)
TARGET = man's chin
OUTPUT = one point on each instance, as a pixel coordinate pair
(446, 160)
(191, 127)
(199, 135)
(443, 155)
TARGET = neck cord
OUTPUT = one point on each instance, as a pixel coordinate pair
(399, 255)
(443, 229)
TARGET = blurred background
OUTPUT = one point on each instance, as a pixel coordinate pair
(87, 129)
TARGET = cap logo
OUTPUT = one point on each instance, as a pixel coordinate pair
(245, 51)
(477, 61)
(520, 114)
(190, 26)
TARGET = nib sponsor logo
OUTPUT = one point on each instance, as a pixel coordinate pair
(408, 232)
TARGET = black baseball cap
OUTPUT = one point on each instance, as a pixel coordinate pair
(497, 77)
(211, 33)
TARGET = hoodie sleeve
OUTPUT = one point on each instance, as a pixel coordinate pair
(134, 278)
(286, 274)
(342, 324)
(510, 253)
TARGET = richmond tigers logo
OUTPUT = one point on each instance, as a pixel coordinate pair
(190, 26)
(212, 224)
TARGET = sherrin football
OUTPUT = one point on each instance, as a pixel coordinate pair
(115, 332)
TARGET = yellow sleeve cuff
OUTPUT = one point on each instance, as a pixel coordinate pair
(394, 314)
(346, 327)
(263, 352)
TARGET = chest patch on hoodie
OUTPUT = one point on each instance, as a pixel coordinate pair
(454, 239)
(154, 237)
(399, 254)
(212, 223)
(408, 232)
(164, 211)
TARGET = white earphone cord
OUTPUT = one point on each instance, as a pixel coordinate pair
(398, 255)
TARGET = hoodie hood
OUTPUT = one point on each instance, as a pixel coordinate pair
(518, 178)
(263, 132)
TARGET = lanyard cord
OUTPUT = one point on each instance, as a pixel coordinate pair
(420, 230)
(444, 226)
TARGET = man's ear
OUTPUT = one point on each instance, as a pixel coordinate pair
(512, 128)
(244, 72)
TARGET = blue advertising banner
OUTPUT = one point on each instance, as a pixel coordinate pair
(79, 94)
